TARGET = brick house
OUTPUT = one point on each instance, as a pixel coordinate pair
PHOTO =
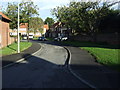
(46, 27)
(4, 30)
(59, 29)
(23, 28)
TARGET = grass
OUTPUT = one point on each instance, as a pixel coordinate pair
(12, 49)
(35, 38)
(51, 39)
(104, 54)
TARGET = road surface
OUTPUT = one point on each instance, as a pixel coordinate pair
(45, 69)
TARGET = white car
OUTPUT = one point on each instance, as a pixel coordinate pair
(24, 37)
(60, 38)
(64, 38)
(30, 36)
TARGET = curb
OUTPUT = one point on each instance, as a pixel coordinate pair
(67, 63)
(22, 59)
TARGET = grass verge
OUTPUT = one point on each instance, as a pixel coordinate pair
(104, 54)
(51, 39)
(35, 38)
(12, 49)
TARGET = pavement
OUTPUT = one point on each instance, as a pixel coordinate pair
(84, 66)
(8, 59)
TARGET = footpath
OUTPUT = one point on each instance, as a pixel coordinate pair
(14, 57)
(86, 67)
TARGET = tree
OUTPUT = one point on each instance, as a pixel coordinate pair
(12, 13)
(49, 21)
(36, 24)
(27, 10)
(83, 17)
(110, 24)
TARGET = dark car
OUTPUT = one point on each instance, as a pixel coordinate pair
(41, 38)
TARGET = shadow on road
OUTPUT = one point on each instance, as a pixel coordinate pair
(52, 75)
(36, 72)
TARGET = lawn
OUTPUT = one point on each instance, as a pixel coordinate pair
(35, 38)
(51, 39)
(105, 54)
(12, 49)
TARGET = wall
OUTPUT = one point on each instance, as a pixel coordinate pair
(0, 33)
(5, 34)
(110, 38)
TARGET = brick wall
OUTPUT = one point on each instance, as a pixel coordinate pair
(5, 34)
(111, 38)
(0, 33)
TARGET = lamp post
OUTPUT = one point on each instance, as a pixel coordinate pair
(18, 36)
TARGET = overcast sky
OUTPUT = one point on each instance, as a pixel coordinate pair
(45, 5)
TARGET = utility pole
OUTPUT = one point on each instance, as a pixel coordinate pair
(18, 31)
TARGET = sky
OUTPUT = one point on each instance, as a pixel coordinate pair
(45, 6)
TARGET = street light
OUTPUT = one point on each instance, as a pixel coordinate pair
(18, 50)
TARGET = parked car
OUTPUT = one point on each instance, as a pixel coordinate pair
(42, 39)
(30, 36)
(60, 38)
(24, 37)
(64, 38)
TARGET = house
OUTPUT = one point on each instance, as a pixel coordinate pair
(5, 38)
(23, 28)
(46, 27)
(58, 29)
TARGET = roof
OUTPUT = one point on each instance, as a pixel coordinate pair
(4, 16)
(24, 25)
(46, 26)
(57, 24)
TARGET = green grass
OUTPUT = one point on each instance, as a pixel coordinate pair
(35, 38)
(105, 54)
(12, 49)
(51, 39)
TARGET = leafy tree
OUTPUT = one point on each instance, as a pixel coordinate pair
(12, 13)
(36, 24)
(49, 21)
(27, 10)
(111, 22)
(83, 17)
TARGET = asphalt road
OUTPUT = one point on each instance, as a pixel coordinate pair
(43, 70)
